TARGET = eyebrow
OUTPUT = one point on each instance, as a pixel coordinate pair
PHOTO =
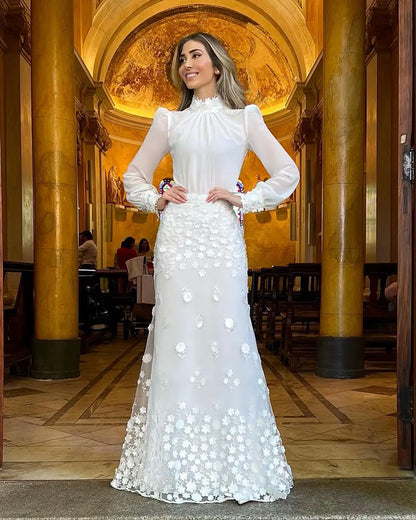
(193, 50)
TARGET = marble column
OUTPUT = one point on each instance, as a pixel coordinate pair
(340, 346)
(56, 342)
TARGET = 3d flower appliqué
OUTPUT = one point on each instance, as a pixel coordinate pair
(216, 294)
(229, 323)
(215, 349)
(199, 321)
(186, 295)
(181, 349)
(147, 358)
(197, 379)
(245, 349)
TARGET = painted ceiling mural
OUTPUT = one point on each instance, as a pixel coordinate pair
(137, 77)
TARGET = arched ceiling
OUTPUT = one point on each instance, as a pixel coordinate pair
(137, 77)
(130, 43)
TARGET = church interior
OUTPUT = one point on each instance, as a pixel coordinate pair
(80, 81)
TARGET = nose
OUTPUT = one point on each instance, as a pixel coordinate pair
(186, 62)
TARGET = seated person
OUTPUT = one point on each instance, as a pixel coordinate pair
(390, 293)
(87, 251)
(126, 251)
(143, 249)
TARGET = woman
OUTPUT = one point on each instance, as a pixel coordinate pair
(125, 252)
(143, 248)
(202, 428)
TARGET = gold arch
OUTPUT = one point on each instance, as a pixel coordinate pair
(137, 77)
(284, 21)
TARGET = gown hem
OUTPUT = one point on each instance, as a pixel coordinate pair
(189, 501)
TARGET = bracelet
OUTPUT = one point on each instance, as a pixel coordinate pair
(157, 210)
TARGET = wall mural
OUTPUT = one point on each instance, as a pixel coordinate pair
(137, 75)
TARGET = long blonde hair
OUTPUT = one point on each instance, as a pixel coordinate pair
(228, 86)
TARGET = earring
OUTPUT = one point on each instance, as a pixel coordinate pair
(216, 71)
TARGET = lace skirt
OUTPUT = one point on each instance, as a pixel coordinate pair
(202, 428)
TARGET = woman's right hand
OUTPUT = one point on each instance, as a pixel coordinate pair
(176, 194)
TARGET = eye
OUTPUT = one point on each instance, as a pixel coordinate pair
(181, 59)
(196, 55)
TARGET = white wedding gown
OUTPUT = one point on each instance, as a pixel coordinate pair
(202, 428)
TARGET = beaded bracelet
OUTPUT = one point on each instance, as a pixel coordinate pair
(156, 209)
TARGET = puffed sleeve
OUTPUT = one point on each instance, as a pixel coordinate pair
(284, 174)
(139, 174)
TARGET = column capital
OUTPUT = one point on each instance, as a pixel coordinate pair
(15, 20)
(92, 129)
(309, 128)
(381, 21)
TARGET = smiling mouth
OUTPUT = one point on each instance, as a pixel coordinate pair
(191, 75)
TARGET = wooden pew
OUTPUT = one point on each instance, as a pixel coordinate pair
(266, 302)
(300, 321)
(379, 315)
(273, 301)
(100, 300)
(18, 315)
(268, 292)
(254, 302)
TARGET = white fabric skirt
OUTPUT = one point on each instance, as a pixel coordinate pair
(202, 428)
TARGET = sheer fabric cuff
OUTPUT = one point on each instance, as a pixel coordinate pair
(252, 201)
(145, 200)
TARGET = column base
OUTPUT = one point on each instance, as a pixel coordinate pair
(340, 358)
(55, 358)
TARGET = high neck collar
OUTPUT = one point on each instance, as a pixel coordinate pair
(210, 103)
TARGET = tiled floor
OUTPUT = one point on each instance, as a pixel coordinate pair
(74, 429)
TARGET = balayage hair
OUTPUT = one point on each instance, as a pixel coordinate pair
(228, 86)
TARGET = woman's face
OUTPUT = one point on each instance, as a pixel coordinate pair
(196, 69)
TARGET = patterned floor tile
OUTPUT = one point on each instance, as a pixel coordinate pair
(74, 429)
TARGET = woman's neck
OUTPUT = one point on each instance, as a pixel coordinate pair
(203, 94)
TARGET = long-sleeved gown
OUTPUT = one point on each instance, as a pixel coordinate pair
(202, 428)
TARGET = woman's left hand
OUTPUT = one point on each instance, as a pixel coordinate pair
(221, 194)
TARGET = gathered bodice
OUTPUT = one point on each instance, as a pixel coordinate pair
(208, 142)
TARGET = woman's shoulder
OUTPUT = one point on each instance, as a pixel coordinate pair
(247, 111)
(166, 113)
(252, 109)
(162, 118)
(162, 112)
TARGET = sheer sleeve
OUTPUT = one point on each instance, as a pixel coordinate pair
(139, 174)
(284, 174)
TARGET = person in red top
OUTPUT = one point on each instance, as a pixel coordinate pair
(125, 252)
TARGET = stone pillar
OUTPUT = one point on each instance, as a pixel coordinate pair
(56, 343)
(340, 346)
